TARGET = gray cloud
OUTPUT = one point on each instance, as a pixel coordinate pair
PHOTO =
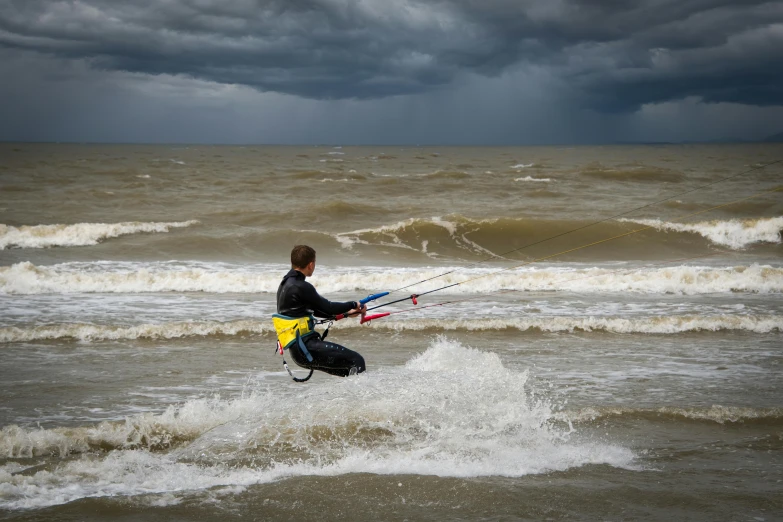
(45, 98)
(613, 55)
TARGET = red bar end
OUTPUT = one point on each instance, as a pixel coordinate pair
(368, 318)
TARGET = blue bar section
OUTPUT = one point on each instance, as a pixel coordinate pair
(373, 297)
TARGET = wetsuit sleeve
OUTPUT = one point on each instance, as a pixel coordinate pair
(321, 306)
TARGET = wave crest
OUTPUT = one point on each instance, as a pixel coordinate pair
(27, 279)
(531, 178)
(80, 234)
(177, 424)
(735, 233)
(645, 325)
(96, 332)
(402, 425)
(455, 235)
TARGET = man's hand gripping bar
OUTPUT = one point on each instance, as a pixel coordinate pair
(363, 302)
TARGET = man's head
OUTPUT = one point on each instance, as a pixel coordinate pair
(303, 259)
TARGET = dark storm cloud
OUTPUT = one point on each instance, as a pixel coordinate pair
(614, 54)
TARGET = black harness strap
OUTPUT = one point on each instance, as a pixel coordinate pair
(285, 364)
(306, 353)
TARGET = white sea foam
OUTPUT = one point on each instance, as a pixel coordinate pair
(26, 278)
(80, 234)
(663, 324)
(415, 419)
(530, 178)
(734, 233)
(146, 430)
(94, 332)
(522, 165)
(668, 324)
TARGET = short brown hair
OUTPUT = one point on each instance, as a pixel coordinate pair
(301, 256)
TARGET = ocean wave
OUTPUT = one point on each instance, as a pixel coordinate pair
(80, 234)
(715, 413)
(307, 174)
(734, 233)
(522, 165)
(666, 324)
(647, 325)
(456, 235)
(96, 332)
(404, 424)
(337, 208)
(448, 174)
(638, 173)
(416, 234)
(177, 424)
(530, 178)
(26, 278)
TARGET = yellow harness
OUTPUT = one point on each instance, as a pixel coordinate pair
(288, 327)
(292, 330)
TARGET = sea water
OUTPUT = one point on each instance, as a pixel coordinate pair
(628, 370)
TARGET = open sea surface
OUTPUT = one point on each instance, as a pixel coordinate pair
(629, 370)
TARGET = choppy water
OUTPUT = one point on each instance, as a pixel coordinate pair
(634, 378)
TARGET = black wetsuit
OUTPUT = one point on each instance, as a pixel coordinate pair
(298, 298)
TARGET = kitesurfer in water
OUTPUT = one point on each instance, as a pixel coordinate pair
(297, 303)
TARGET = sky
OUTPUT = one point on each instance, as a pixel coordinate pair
(462, 72)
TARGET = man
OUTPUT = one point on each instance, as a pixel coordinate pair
(297, 303)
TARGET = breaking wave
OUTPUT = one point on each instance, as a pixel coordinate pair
(646, 325)
(418, 234)
(734, 233)
(26, 278)
(530, 178)
(664, 324)
(403, 424)
(177, 424)
(80, 234)
(456, 235)
(96, 332)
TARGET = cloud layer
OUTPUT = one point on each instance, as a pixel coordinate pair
(610, 56)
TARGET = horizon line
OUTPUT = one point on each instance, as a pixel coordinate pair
(420, 145)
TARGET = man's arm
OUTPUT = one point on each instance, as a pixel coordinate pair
(321, 306)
